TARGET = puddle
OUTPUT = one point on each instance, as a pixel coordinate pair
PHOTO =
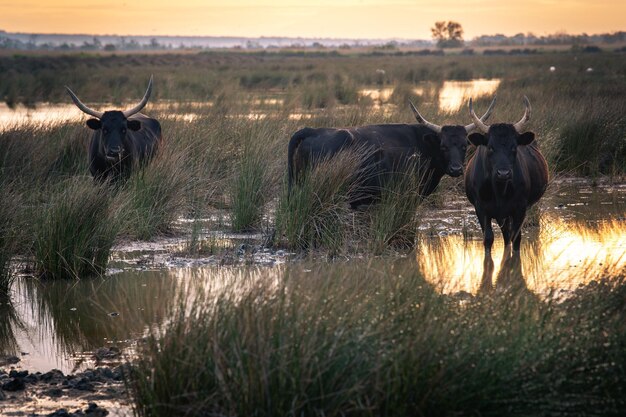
(455, 94)
(580, 237)
(451, 96)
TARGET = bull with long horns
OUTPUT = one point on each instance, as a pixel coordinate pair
(506, 175)
(121, 139)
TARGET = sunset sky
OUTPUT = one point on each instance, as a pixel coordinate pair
(321, 18)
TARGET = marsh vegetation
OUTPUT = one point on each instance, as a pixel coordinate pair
(369, 337)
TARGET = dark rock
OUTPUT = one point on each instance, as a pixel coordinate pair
(94, 411)
(105, 374)
(107, 353)
(14, 384)
(81, 384)
(31, 379)
(53, 375)
(54, 392)
(8, 360)
(62, 412)
(18, 374)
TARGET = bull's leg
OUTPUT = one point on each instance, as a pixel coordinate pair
(486, 283)
(505, 226)
(485, 225)
(518, 220)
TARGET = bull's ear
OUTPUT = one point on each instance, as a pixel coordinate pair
(526, 138)
(477, 139)
(432, 140)
(133, 125)
(94, 124)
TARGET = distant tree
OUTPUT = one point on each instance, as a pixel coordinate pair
(448, 34)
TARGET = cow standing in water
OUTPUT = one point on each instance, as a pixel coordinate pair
(121, 139)
(392, 146)
(506, 175)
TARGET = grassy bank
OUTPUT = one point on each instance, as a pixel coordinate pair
(375, 340)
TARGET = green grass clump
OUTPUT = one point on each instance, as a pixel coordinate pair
(9, 233)
(155, 196)
(376, 339)
(594, 142)
(314, 213)
(75, 231)
(393, 220)
(250, 189)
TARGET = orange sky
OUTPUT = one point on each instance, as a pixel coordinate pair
(321, 18)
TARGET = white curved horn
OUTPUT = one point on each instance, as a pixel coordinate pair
(142, 103)
(81, 106)
(421, 120)
(479, 123)
(484, 118)
(525, 118)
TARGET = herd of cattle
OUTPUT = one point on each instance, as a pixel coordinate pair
(504, 177)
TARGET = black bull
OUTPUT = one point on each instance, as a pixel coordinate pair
(506, 175)
(121, 139)
(441, 150)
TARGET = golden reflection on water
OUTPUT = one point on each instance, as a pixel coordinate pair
(454, 94)
(557, 255)
(451, 96)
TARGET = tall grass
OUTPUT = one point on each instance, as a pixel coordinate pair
(393, 221)
(75, 231)
(10, 233)
(315, 212)
(154, 197)
(377, 340)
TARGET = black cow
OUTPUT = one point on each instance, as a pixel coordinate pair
(391, 147)
(506, 175)
(121, 139)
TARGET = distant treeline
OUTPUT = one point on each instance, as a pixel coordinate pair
(554, 39)
(121, 43)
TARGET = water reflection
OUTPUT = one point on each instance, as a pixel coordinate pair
(454, 94)
(62, 320)
(557, 255)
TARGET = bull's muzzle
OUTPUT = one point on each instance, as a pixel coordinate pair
(455, 170)
(503, 175)
(114, 154)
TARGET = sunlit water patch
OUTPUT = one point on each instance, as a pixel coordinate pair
(451, 96)
(578, 235)
(455, 94)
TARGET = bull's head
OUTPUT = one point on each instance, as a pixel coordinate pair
(502, 140)
(450, 140)
(113, 125)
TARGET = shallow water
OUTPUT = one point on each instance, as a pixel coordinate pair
(451, 96)
(578, 235)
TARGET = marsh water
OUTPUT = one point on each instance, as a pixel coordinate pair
(577, 235)
(451, 96)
